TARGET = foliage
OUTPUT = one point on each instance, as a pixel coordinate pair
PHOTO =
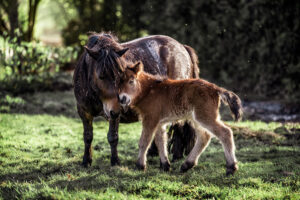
(250, 46)
(12, 18)
(119, 17)
(41, 154)
(31, 58)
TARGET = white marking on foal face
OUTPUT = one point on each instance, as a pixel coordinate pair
(125, 99)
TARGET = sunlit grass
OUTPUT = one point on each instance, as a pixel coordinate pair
(259, 125)
(40, 158)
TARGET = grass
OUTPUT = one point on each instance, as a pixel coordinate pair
(40, 158)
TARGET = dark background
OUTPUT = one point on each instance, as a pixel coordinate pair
(250, 47)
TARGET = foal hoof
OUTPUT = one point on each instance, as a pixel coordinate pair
(140, 167)
(86, 162)
(165, 166)
(186, 166)
(231, 169)
(114, 161)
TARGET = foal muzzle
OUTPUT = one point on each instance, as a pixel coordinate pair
(124, 101)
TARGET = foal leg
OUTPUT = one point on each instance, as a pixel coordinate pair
(87, 120)
(161, 139)
(224, 134)
(144, 143)
(113, 139)
(202, 141)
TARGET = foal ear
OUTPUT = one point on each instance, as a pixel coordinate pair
(137, 67)
(122, 52)
(94, 54)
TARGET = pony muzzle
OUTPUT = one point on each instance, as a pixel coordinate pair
(111, 109)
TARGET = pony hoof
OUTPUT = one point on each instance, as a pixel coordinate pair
(114, 161)
(186, 166)
(230, 170)
(140, 167)
(175, 158)
(165, 166)
(86, 162)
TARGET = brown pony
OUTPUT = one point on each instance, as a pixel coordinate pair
(100, 68)
(160, 101)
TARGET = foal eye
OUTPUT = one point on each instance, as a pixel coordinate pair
(131, 81)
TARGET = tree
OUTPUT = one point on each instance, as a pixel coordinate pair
(33, 5)
(123, 18)
(9, 20)
(9, 9)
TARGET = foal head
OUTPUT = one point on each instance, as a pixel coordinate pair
(129, 86)
(105, 58)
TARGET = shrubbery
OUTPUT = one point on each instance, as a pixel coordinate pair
(18, 58)
(31, 66)
(251, 47)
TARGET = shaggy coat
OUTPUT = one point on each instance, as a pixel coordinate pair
(161, 101)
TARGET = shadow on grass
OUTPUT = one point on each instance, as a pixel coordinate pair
(52, 103)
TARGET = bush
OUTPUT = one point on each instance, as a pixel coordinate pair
(18, 58)
(250, 47)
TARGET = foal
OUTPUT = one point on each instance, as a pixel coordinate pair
(161, 101)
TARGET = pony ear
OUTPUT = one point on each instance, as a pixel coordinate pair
(94, 54)
(137, 67)
(122, 52)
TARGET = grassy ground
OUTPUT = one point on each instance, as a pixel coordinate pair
(40, 158)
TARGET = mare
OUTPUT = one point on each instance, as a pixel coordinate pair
(161, 101)
(98, 72)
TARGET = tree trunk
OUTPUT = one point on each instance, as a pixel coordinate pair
(11, 9)
(33, 5)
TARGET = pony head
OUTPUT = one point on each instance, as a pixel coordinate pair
(106, 64)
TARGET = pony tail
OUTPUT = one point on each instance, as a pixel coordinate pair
(234, 103)
(194, 59)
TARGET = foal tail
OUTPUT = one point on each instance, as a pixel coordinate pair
(234, 103)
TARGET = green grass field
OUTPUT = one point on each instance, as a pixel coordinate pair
(40, 158)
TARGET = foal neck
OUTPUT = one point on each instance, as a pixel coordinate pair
(147, 82)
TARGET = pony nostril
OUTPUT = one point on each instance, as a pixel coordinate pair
(114, 114)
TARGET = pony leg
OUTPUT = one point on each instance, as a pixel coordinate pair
(161, 139)
(183, 140)
(202, 141)
(113, 139)
(87, 120)
(144, 144)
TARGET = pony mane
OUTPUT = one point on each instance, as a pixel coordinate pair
(109, 64)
